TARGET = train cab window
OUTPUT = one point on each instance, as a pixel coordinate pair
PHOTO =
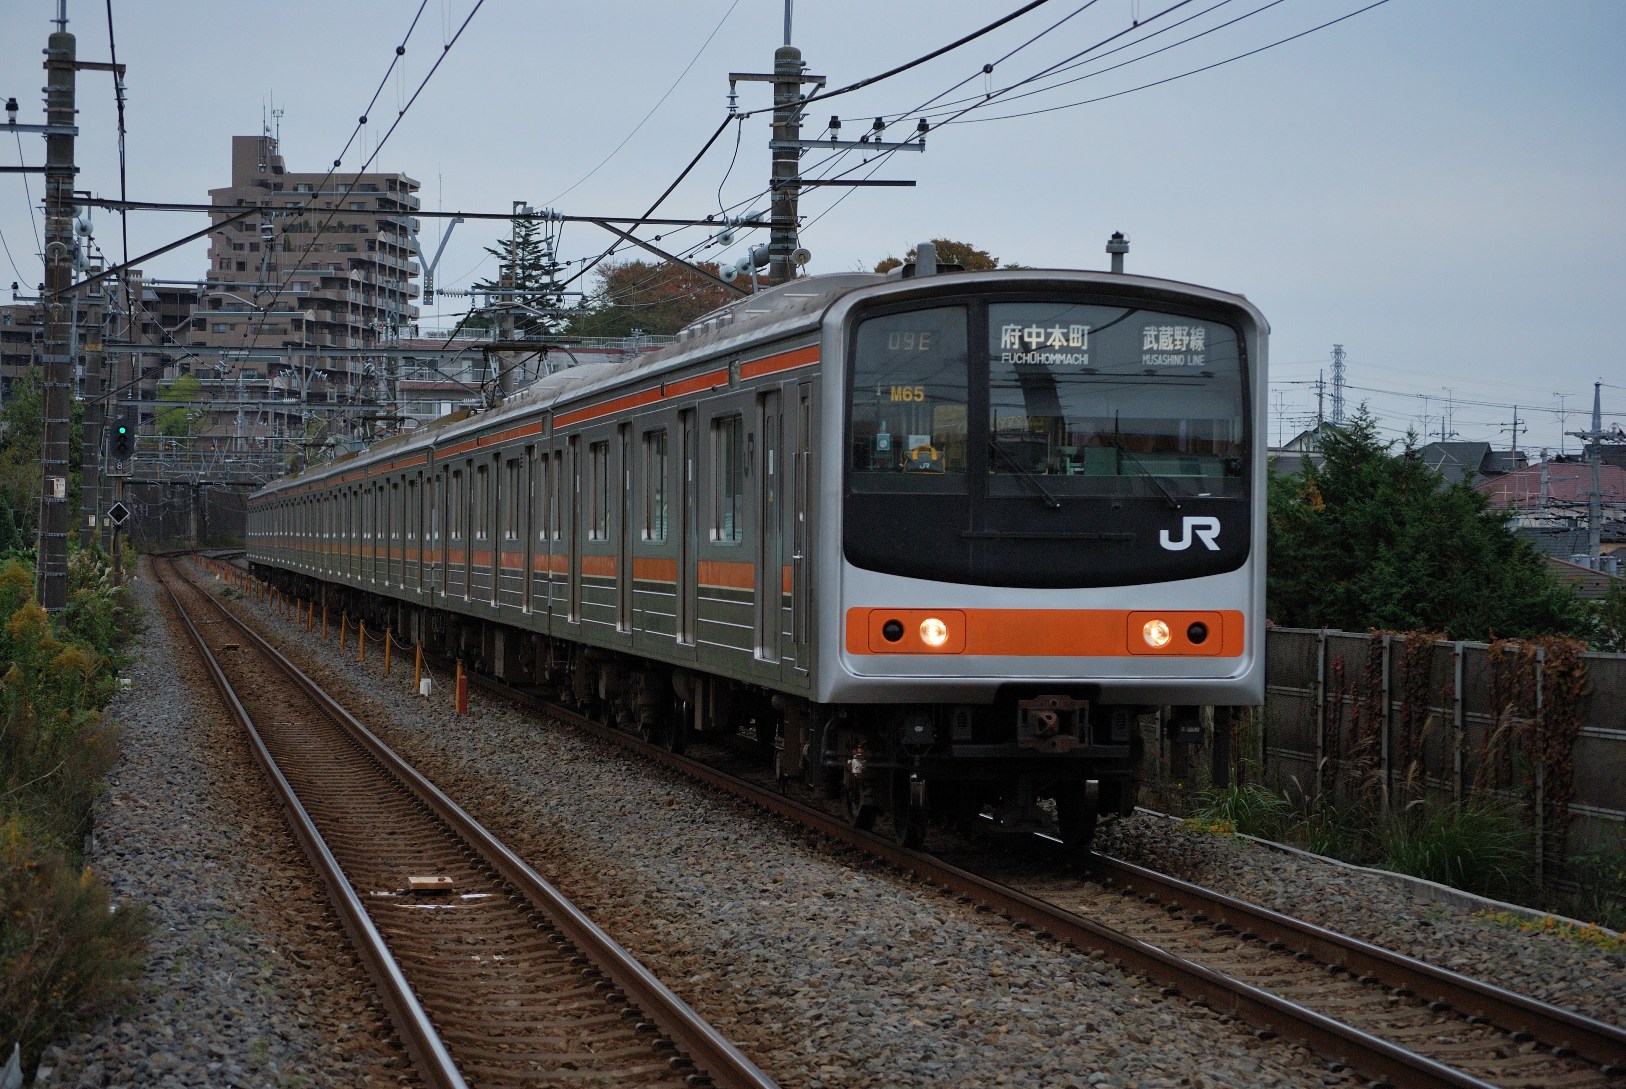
(655, 510)
(909, 402)
(728, 475)
(598, 496)
(1112, 401)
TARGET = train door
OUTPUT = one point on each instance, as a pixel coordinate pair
(573, 530)
(623, 534)
(529, 518)
(686, 573)
(770, 581)
(801, 489)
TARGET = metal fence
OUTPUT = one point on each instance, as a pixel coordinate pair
(1392, 718)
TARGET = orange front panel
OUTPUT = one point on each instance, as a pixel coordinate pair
(1046, 633)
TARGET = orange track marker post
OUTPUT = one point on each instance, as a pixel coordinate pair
(361, 640)
(387, 635)
(417, 669)
(461, 688)
(344, 622)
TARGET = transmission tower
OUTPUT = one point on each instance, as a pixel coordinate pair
(1338, 385)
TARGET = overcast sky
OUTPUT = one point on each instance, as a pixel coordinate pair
(1437, 185)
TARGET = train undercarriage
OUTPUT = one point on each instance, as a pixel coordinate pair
(1032, 761)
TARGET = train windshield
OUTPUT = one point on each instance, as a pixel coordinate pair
(981, 433)
(1109, 400)
(909, 408)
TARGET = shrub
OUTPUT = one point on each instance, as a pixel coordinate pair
(66, 958)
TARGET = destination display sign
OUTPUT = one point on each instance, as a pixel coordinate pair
(1040, 345)
(1173, 345)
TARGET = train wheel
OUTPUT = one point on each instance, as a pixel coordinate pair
(908, 810)
(1077, 806)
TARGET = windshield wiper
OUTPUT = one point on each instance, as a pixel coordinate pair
(1145, 472)
(1028, 475)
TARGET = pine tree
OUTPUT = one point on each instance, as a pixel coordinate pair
(527, 267)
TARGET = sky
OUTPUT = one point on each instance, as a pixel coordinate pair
(1438, 186)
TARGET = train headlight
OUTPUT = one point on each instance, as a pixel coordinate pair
(933, 632)
(1156, 633)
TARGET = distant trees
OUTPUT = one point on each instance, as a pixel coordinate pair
(658, 298)
(182, 395)
(949, 252)
(1373, 539)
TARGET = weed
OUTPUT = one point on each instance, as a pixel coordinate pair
(1248, 808)
(1600, 879)
(1588, 933)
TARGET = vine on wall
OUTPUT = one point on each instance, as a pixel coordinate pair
(1529, 735)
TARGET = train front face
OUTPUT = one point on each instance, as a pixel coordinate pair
(1051, 490)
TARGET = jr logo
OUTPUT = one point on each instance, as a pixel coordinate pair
(1206, 529)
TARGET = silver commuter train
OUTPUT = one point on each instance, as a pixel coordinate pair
(937, 542)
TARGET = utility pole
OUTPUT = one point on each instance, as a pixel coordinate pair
(784, 254)
(1594, 456)
(91, 462)
(787, 158)
(57, 358)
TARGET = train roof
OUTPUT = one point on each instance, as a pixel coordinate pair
(778, 313)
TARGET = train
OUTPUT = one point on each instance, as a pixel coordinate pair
(936, 541)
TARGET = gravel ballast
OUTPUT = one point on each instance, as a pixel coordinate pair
(826, 969)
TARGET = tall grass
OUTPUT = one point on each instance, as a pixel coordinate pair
(1480, 847)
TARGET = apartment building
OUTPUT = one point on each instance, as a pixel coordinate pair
(302, 302)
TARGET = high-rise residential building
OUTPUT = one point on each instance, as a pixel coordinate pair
(301, 303)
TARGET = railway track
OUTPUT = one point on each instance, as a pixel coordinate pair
(491, 977)
(1389, 1018)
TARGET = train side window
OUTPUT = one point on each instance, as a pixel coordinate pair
(512, 491)
(728, 476)
(455, 529)
(553, 496)
(482, 502)
(411, 509)
(655, 509)
(598, 515)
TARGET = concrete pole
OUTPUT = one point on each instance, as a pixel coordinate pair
(787, 129)
(52, 577)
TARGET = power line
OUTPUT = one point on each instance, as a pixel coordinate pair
(658, 103)
(1170, 79)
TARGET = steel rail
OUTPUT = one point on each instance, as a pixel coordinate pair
(713, 1053)
(423, 1043)
(1369, 1055)
(1591, 1039)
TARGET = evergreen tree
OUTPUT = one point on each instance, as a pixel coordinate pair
(527, 267)
(1372, 539)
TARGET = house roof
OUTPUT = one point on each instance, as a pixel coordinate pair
(1567, 482)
